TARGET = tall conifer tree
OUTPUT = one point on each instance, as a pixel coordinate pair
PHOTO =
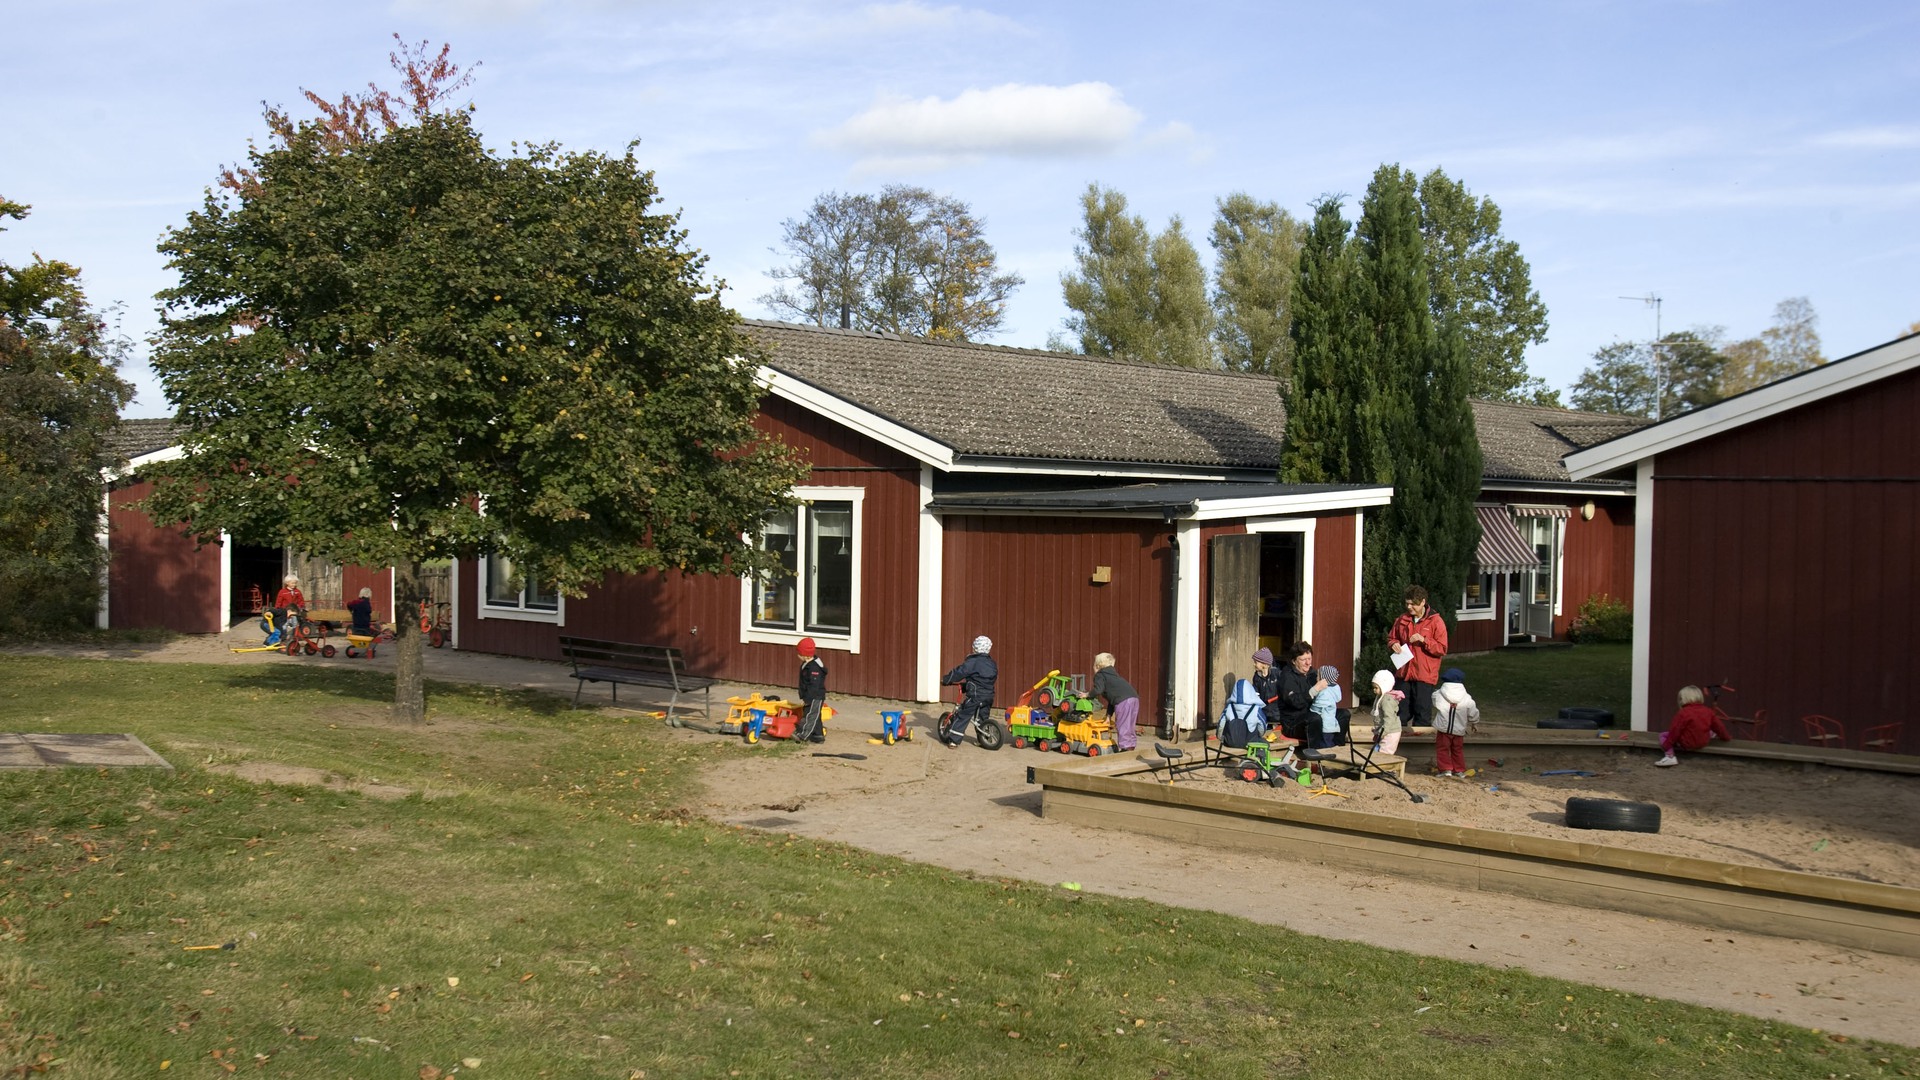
(1379, 396)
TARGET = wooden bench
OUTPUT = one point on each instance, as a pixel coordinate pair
(617, 662)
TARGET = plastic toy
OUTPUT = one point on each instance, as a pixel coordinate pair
(893, 726)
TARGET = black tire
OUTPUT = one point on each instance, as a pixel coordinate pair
(1617, 815)
(436, 639)
(1603, 717)
(989, 734)
(327, 651)
(1565, 724)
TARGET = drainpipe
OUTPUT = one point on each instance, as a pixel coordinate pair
(1167, 725)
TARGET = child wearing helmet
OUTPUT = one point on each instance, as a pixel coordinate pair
(975, 676)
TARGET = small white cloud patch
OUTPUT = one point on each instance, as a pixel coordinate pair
(1013, 120)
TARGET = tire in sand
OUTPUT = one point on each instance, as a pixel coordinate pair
(1563, 723)
(1617, 815)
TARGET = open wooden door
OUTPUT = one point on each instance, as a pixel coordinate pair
(1233, 616)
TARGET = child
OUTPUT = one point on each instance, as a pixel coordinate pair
(1326, 706)
(1386, 712)
(1454, 714)
(361, 608)
(976, 676)
(813, 693)
(1123, 701)
(1693, 727)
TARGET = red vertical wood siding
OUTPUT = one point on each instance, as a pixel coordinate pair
(701, 614)
(1784, 563)
(1026, 582)
(156, 578)
(1333, 612)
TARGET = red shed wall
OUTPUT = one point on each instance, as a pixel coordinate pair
(1784, 564)
(1026, 582)
(155, 577)
(701, 614)
(1333, 611)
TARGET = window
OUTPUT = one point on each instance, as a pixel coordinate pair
(817, 591)
(512, 595)
(1478, 593)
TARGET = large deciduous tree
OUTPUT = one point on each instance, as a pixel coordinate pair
(1682, 372)
(1790, 345)
(1136, 294)
(60, 397)
(1620, 381)
(905, 261)
(406, 347)
(1379, 396)
(1256, 250)
(1484, 287)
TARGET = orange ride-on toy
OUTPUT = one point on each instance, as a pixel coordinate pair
(298, 635)
(436, 622)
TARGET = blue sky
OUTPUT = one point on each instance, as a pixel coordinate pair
(1724, 156)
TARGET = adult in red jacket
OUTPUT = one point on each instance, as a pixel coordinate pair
(1421, 632)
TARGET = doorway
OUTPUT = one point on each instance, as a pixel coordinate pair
(1258, 597)
(253, 578)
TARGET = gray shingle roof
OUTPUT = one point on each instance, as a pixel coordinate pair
(1526, 442)
(995, 401)
(135, 437)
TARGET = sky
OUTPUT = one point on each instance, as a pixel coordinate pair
(1721, 156)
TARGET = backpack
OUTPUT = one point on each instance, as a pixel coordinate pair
(1243, 719)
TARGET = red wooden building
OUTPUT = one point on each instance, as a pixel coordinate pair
(1061, 504)
(1775, 548)
(1547, 541)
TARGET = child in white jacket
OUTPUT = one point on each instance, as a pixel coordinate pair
(1386, 712)
(1454, 714)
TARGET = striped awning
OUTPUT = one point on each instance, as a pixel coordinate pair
(1501, 550)
(1521, 510)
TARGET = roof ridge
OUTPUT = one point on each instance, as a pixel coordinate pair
(981, 346)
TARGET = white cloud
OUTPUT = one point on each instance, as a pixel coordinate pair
(1870, 138)
(911, 16)
(1013, 120)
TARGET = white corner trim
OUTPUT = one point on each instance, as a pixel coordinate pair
(1642, 593)
(1359, 567)
(931, 582)
(1186, 629)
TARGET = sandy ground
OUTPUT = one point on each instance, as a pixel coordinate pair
(972, 811)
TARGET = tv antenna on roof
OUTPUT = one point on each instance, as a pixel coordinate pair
(1653, 301)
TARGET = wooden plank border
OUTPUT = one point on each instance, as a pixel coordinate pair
(1126, 793)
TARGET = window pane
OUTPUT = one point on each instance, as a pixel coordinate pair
(542, 596)
(1479, 594)
(830, 573)
(502, 591)
(773, 594)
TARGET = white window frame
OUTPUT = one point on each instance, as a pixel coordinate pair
(1488, 613)
(849, 641)
(491, 610)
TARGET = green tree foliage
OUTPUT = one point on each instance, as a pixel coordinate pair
(1790, 345)
(417, 349)
(1379, 396)
(905, 261)
(1256, 250)
(1624, 378)
(1484, 287)
(1332, 384)
(1136, 294)
(60, 397)
(1620, 381)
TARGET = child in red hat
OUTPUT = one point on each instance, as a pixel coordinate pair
(813, 693)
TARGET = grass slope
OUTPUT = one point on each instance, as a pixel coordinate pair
(542, 905)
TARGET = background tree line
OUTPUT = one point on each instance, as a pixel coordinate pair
(908, 261)
(1690, 369)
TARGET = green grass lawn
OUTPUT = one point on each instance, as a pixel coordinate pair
(1522, 686)
(544, 905)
